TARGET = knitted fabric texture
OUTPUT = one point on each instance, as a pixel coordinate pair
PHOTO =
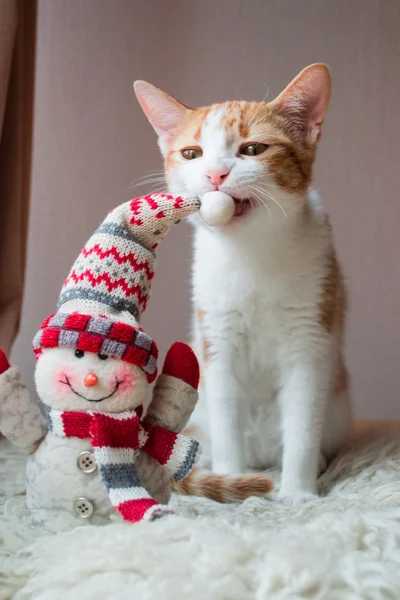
(113, 272)
(98, 335)
(111, 278)
(116, 439)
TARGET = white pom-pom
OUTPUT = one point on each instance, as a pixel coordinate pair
(217, 208)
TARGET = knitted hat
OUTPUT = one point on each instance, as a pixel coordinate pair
(108, 287)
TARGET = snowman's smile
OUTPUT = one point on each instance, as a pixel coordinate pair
(68, 383)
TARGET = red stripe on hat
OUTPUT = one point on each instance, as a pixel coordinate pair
(111, 285)
(38, 352)
(76, 321)
(154, 350)
(135, 208)
(122, 332)
(160, 443)
(114, 433)
(120, 259)
(89, 342)
(46, 321)
(178, 202)
(135, 510)
(151, 202)
(135, 355)
(49, 338)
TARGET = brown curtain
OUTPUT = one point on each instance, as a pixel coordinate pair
(17, 52)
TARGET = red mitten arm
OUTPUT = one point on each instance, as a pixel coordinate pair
(181, 362)
(4, 364)
(174, 398)
(175, 394)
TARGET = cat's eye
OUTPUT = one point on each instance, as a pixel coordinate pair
(191, 153)
(102, 356)
(253, 149)
(79, 353)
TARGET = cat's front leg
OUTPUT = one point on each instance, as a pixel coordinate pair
(224, 406)
(303, 400)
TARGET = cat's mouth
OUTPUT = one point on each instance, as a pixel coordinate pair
(242, 207)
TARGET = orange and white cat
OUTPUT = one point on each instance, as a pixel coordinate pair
(269, 300)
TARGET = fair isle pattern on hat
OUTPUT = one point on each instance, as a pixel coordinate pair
(113, 273)
(116, 439)
(99, 335)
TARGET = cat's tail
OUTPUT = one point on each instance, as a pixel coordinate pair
(222, 488)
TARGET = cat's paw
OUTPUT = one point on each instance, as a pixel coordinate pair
(296, 498)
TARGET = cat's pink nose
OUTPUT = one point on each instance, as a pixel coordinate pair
(218, 176)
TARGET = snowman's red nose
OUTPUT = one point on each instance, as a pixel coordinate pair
(90, 380)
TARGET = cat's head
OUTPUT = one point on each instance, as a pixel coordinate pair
(259, 153)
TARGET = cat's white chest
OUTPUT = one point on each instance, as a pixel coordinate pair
(254, 306)
(64, 489)
(246, 308)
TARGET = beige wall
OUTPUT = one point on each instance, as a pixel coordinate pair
(91, 141)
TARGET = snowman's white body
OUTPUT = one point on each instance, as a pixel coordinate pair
(61, 493)
(64, 488)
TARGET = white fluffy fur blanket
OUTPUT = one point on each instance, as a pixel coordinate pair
(343, 546)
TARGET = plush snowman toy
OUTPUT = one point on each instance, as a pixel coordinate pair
(98, 452)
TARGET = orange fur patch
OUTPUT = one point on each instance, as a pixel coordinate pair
(222, 488)
(287, 161)
(333, 304)
(205, 343)
(341, 383)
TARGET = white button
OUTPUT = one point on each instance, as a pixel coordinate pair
(83, 508)
(86, 462)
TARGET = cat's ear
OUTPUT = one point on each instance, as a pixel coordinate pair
(305, 101)
(164, 113)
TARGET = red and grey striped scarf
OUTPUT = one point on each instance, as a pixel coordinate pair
(116, 438)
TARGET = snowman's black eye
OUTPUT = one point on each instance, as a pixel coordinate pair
(102, 356)
(79, 353)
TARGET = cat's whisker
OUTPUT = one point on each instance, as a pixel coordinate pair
(250, 199)
(147, 181)
(269, 195)
(159, 181)
(262, 201)
(159, 190)
(258, 191)
(266, 94)
(270, 185)
(148, 175)
(277, 203)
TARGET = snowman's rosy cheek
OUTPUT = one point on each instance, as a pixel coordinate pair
(127, 378)
(61, 378)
